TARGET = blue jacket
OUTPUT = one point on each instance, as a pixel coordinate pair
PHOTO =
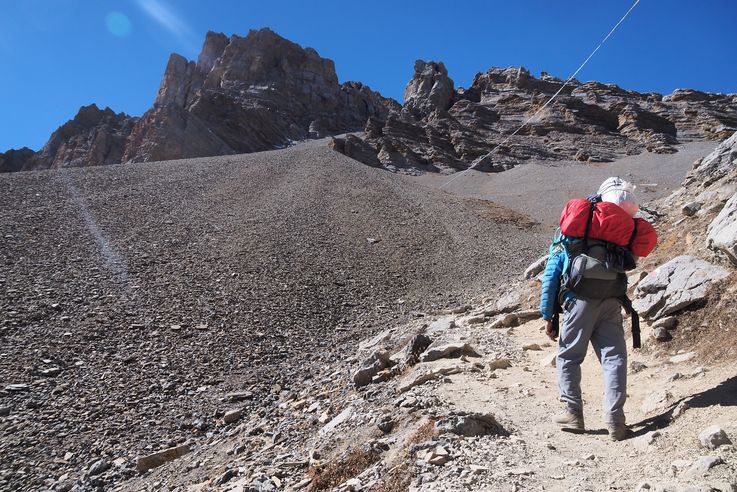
(554, 268)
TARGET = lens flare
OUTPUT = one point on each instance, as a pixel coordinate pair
(118, 24)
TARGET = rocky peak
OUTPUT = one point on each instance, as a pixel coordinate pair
(181, 78)
(248, 94)
(15, 159)
(215, 43)
(429, 89)
(92, 137)
(265, 58)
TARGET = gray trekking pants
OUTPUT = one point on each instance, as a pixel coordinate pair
(598, 321)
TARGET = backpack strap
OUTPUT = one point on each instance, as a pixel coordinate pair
(632, 237)
(588, 227)
(627, 304)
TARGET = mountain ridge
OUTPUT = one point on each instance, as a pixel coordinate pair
(262, 92)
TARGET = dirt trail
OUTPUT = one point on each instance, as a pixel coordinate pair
(525, 396)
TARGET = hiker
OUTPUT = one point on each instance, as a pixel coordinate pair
(592, 306)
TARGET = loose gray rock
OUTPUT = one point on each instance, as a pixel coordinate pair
(411, 352)
(675, 285)
(232, 416)
(528, 315)
(669, 323)
(441, 326)
(337, 420)
(704, 464)
(713, 436)
(691, 208)
(226, 477)
(98, 467)
(656, 401)
(419, 377)
(145, 463)
(536, 267)
(661, 335)
(452, 349)
(378, 361)
(470, 424)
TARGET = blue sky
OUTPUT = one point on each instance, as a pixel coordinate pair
(58, 55)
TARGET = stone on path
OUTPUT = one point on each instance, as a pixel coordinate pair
(656, 400)
(669, 322)
(684, 357)
(469, 424)
(703, 465)
(549, 360)
(98, 467)
(146, 463)
(501, 363)
(713, 436)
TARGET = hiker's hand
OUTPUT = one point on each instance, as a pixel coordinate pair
(549, 330)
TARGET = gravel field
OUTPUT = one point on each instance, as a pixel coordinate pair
(541, 188)
(135, 297)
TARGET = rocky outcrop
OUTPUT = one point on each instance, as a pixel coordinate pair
(243, 94)
(93, 137)
(247, 94)
(443, 128)
(675, 285)
(722, 232)
(429, 90)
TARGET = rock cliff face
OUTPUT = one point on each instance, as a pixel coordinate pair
(443, 128)
(244, 94)
(247, 94)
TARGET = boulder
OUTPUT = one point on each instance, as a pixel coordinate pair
(675, 285)
(713, 436)
(378, 361)
(721, 235)
(411, 352)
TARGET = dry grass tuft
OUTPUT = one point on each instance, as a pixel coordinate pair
(424, 433)
(337, 472)
(398, 480)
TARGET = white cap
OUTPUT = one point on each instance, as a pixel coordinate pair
(621, 192)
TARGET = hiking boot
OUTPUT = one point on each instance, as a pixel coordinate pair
(569, 420)
(617, 432)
